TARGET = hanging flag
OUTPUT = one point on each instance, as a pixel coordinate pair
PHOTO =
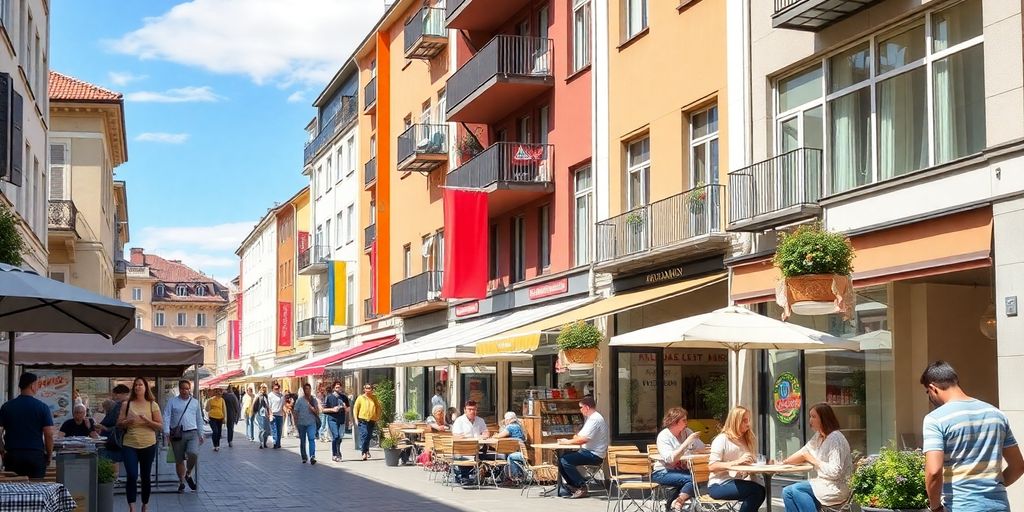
(465, 245)
(336, 294)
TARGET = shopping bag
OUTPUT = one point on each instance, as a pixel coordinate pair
(170, 456)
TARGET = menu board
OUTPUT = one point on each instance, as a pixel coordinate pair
(55, 392)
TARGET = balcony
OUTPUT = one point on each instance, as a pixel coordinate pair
(423, 147)
(681, 226)
(814, 15)
(506, 73)
(62, 222)
(484, 16)
(313, 260)
(369, 310)
(418, 294)
(369, 235)
(312, 329)
(512, 173)
(777, 191)
(370, 172)
(345, 116)
(370, 96)
(425, 34)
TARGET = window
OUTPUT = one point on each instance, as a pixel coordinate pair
(900, 101)
(181, 290)
(319, 181)
(582, 215)
(636, 17)
(406, 261)
(58, 276)
(350, 157)
(544, 236)
(58, 171)
(518, 271)
(350, 300)
(160, 290)
(350, 226)
(136, 294)
(158, 319)
(201, 290)
(493, 241)
(340, 236)
(182, 319)
(330, 171)
(138, 321)
(200, 319)
(29, 51)
(327, 235)
(639, 162)
(318, 240)
(580, 34)
(704, 147)
(337, 169)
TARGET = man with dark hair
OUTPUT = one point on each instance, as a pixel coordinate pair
(27, 425)
(594, 440)
(336, 406)
(183, 410)
(233, 412)
(469, 426)
(969, 440)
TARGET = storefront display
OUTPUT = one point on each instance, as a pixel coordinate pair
(478, 384)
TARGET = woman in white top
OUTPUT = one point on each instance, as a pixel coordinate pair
(735, 445)
(829, 453)
(675, 440)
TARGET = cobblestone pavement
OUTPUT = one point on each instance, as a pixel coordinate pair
(247, 478)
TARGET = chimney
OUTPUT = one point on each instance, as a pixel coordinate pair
(138, 258)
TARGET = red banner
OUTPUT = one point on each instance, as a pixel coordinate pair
(465, 245)
(235, 340)
(284, 324)
(303, 241)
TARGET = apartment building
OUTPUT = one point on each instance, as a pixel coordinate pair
(24, 104)
(257, 299)
(87, 215)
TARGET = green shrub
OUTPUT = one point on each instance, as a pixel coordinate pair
(579, 334)
(893, 479)
(388, 443)
(411, 415)
(715, 393)
(11, 243)
(105, 471)
(812, 250)
(385, 391)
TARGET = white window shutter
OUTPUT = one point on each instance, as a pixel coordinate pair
(58, 170)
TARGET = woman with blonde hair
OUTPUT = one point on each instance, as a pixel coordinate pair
(829, 453)
(675, 440)
(735, 445)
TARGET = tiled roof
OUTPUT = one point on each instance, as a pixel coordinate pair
(172, 273)
(63, 87)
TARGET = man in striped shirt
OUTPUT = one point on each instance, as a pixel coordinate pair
(970, 453)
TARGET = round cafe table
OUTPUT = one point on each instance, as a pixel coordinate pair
(767, 471)
(557, 449)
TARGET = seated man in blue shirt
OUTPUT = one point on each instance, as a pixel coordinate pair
(27, 425)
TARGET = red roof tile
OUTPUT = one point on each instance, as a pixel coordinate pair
(63, 87)
(173, 272)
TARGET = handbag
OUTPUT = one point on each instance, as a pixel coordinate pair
(316, 415)
(177, 433)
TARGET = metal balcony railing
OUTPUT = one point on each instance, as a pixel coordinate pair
(369, 311)
(369, 235)
(370, 93)
(787, 180)
(61, 214)
(315, 326)
(428, 22)
(313, 255)
(505, 162)
(120, 266)
(345, 116)
(782, 5)
(506, 56)
(370, 171)
(416, 289)
(692, 214)
(423, 139)
(451, 6)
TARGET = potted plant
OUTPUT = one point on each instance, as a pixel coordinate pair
(469, 146)
(634, 219)
(391, 452)
(696, 198)
(891, 480)
(577, 345)
(411, 415)
(105, 476)
(816, 266)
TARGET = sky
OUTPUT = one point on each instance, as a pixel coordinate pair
(217, 96)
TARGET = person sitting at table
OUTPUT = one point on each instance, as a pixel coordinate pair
(511, 428)
(469, 426)
(594, 440)
(829, 453)
(79, 425)
(735, 445)
(437, 421)
(675, 440)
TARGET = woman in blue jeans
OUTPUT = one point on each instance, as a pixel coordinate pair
(307, 411)
(735, 445)
(669, 471)
(829, 453)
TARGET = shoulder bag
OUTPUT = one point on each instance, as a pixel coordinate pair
(115, 438)
(176, 432)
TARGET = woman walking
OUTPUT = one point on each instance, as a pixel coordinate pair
(321, 397)
(140, 418)
(247, 413)
(735, 445)
(262, 416)
(216, 413)
(307, 412)
(829, 453)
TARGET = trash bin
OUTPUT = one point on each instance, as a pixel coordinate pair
(77, 471)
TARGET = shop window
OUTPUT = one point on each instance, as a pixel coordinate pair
(478, 384)
(637, 392)
(416, 391)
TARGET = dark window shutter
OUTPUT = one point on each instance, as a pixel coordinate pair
(5, 125)
(17, 139)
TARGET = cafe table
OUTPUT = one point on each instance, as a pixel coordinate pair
(767, 471)
(557, 449)
(35, 497)
(687, 457)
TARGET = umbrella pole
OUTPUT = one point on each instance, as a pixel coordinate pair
(10, 365)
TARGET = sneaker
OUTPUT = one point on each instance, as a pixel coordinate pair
(335, 459)
(181, 487)
(579, 493)
(191, 483)
(230, 445)
(304, 461)
(312, 461)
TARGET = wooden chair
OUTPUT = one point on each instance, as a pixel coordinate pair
(442, 457)
(505, 447)
(464, 455)
(614, 478)
(536, 476)
(703, 502)
(633, 471)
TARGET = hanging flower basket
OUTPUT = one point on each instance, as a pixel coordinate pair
(578, 345)
(816, 267)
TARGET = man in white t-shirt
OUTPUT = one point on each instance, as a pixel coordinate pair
(594, 439)
(469, 426)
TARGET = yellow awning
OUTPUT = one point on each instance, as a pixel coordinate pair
(527, 337)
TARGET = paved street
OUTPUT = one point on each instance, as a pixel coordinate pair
(276, 480)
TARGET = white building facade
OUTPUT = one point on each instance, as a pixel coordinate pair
(258, 295)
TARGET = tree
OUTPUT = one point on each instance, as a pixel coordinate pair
(11, 243)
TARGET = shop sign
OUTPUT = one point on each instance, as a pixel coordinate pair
(665, 275)
(549, 289)
(787, 397)
(55, 391)
(469, 308)
(668, 274)
(696, 357)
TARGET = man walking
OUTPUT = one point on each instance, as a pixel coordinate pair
(247, 413)
(594, 438)
(367, 412)
(27, 426)
(970, 441)
(335, 407)
(234, 410)
(276, 400)
(184, 414)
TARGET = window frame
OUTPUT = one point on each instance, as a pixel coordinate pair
(706, 140)
(586, 194)
(580, 58)
(645, 18)
(159, 319)
(136, 294)
(201, 320)
(643, 168)
(182, 319)
(181, 290)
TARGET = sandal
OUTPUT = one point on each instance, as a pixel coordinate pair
(677, 506)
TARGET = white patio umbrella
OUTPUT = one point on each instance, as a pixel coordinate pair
(734, 328)
(33, 303)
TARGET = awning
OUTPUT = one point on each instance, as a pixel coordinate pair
(319, 365)
(212, 382)
(454, 345)
(527, 337)
(289, 362)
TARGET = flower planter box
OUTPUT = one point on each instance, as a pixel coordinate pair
(816, 294)
(578, 358)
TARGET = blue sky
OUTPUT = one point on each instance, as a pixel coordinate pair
(217, 95)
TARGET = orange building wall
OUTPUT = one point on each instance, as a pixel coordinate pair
(286, 273)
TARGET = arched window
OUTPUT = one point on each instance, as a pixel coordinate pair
(181, 290)
(201, 290)
(160, 290)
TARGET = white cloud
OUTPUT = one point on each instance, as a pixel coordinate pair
(208, 249)
(122, 78)
(296, 96)
(166, 138)
(291, 42)
(189, 94)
